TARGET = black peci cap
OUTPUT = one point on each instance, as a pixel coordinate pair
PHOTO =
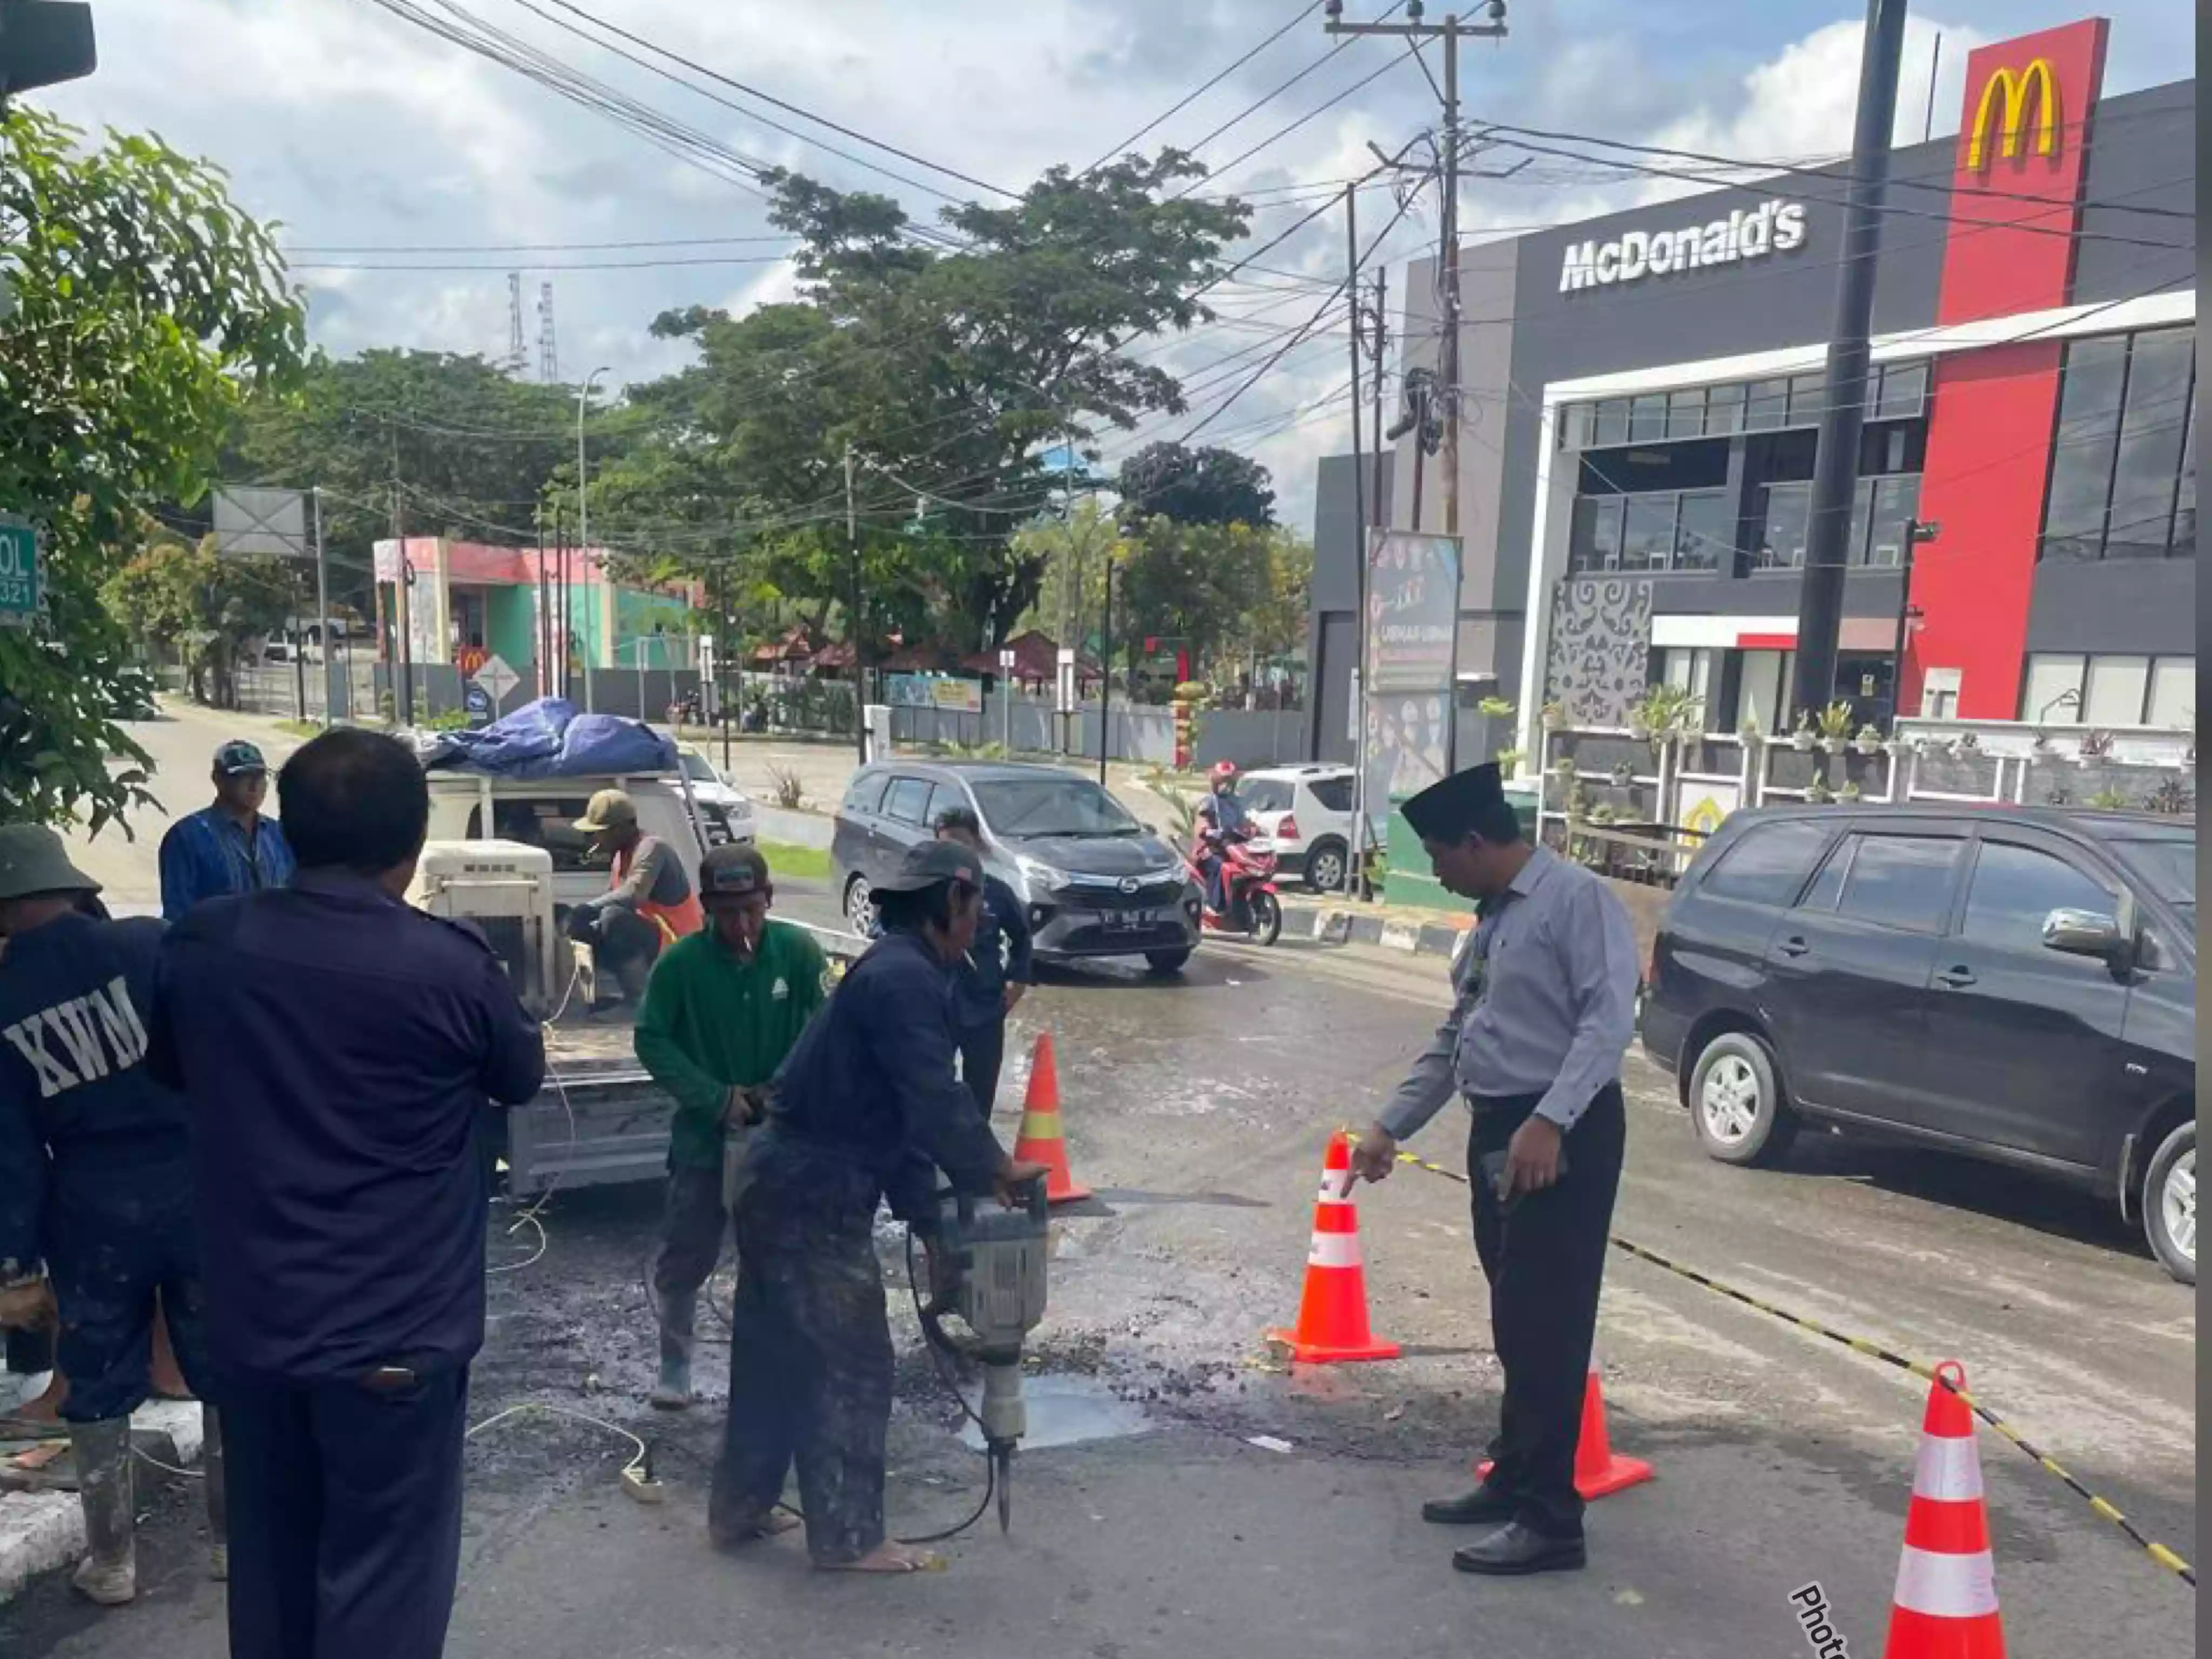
(732, 870)
(1450, 809)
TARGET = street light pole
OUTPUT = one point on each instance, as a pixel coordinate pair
(584, 515)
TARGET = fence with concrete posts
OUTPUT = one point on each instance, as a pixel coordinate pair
(1639, 808)
(1141, 733)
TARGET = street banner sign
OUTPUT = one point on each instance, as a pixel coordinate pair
(496, 679)
(248, 520)
(1412, 628)
(19, 572)
(477, 704)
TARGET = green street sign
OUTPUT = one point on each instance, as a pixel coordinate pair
(19, 574)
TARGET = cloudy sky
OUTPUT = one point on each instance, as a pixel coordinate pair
(360, 131)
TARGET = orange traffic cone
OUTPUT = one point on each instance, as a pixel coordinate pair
(1332, 1312)
(1946, 1603)
(1041, 1141)
(1600, 1471)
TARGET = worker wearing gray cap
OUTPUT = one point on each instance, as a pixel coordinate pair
(868, 1108)
(723, 1008)
(95, 1180)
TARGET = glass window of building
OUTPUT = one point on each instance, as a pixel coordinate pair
(1724, 409)
(1647, 418)
(1855, 540)
(1596, 542)
(1763, 690)
(1783, 523)
(1903, 392)
(2113, 692)
(1704, 534)
(1896, 501)
(2147, 466)
(1611, 422)
(1766, 405)
(1686, 413)
(2183, 542)
(2081, 453)
(2172, 693)
(1648, 541)
(2052, 695)
(1575, 430)
(1808, 393)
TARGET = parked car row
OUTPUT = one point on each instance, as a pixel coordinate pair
(2016, 984)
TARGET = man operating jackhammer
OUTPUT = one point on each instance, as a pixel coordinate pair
(95, 1180)
(722, 1012)
(868, 1108)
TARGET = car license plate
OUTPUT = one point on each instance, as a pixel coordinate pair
(1131, 921)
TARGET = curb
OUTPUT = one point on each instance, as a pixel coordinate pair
(1326, 925)
(41, 1531)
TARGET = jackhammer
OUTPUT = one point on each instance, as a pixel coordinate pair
(987, 1270)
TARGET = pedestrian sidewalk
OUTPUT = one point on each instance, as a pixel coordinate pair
(1331, 919)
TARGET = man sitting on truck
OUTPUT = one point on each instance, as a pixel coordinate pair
(648, 904)
(723, 1008)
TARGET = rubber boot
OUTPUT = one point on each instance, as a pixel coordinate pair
(679, 1316)
(218, 1506)
(109, 1573)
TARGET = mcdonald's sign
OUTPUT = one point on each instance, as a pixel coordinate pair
(2002, 114)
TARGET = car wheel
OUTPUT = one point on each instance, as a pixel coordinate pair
(2170, 1203)
(1737, 1103)
(1325, 867)
(1166, 965)
(861, 906)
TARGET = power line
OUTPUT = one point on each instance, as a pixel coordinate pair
(1281, 133)
(569, 264)
(1193, 96)
(531, 247)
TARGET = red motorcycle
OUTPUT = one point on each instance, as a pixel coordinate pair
(1247, 880)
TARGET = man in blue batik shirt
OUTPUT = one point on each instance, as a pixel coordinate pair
(229, 846)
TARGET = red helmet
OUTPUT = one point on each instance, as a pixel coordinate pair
(1224, 769)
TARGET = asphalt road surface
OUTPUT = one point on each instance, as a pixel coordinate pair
(1147, 1520)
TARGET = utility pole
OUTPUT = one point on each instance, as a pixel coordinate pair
(1843, 416)
(853, 628)
(584, 507)
(1354, 691)
(1451, 32)
(1106, 674)
(403, 702)
(323, 609)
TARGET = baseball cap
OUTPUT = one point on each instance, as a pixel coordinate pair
(237, 757)
(610, 809)
(32, 861)
(732, 870)
(930, 863)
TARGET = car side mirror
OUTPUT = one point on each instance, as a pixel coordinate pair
(2083, 933)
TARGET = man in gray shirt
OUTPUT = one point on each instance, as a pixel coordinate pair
(1543, 1009)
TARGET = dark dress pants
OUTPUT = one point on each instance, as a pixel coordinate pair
(1545, 1263)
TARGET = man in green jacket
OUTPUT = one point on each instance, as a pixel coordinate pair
(722, 1009)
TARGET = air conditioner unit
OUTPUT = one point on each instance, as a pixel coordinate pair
(506, 889)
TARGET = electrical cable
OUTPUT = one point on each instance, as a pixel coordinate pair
(1192, 97)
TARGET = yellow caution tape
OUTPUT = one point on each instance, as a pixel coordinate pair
(2157, 1552)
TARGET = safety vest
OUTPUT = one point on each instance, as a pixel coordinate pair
(676, 920)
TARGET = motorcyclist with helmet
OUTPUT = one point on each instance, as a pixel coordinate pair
(1221, 819)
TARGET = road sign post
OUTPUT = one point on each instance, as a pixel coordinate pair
(496, 679)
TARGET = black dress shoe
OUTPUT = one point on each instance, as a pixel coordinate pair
(1484, 1506)
(1513, 1550)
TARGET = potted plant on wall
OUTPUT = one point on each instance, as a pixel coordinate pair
(1869, 741)
(1803, 735)
(1850, 792)
(1835, 726)
(1750, 734)
(2096, 746)
(1818, 793)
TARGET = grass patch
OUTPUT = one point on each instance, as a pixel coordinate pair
(803, 863)
(299, 728)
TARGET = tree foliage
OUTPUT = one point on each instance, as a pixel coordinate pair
(950, 364)
(1195, 486)
(148, 308)
(184, 597)
(468, 451)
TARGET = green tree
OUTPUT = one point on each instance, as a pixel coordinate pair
(148, 308)
(951, 366)
(1196, 486)
(468, 451)
(1070, 554)
(184, 598)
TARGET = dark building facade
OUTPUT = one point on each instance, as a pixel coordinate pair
(1640, 393)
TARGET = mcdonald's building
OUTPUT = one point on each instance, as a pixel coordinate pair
(1638, 396)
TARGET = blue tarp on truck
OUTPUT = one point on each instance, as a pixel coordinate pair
(548, 738)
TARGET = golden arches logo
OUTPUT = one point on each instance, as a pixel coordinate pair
(2004, 96)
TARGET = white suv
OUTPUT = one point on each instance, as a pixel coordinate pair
(1305, 813)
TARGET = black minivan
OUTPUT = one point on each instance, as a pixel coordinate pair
(2017, 984)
